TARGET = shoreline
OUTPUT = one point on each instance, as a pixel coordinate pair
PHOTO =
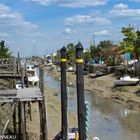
(103, 86)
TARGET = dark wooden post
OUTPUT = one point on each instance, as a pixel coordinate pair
(15, 121)
(80, 92)
(14, 66)
(64, 124)
(21, 121)
(42, 108)
(18, 64)
(22, 77)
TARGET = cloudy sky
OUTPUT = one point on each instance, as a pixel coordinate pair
(36, 27)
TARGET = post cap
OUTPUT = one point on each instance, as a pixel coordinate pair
(79, 46)
(63, 49)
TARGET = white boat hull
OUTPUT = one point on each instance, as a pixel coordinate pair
(125, 82)
(32, 75)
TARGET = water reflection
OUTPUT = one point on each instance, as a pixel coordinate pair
(108, 120)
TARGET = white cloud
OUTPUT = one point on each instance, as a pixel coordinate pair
(121, 6)
(122, 10)
(135, 0)
(14, 21)
(101, 33)
(2, 34)
(71, 3)
(85, 19)
(69, 31)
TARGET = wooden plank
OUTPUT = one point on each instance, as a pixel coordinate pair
(10, 77)
(25, 94)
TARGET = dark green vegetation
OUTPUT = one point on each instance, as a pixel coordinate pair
(108, 52)
(4, 51)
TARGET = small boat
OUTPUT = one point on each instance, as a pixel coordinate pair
(32, 75)
(18, 85)
(97, 74)
(70, 69)
(126, 81)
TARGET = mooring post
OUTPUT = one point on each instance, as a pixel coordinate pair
(42, 108)
(64, 124)
(80, 92)
(18, 64)
(14, 66)
(22, 77)
(19, 121)
(15, 121)
(23, 123)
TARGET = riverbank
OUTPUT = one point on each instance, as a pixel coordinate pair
(129, 96)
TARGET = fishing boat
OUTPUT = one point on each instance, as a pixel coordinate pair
(126, 81)
(98, 74)
(32, 75)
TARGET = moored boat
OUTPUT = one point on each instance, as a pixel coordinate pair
(32, 74)
(126, 81)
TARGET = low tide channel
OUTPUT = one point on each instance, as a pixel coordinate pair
(109, 120)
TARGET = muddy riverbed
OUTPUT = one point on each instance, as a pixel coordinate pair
(108, 119)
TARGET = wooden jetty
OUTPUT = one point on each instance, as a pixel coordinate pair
(22, 98)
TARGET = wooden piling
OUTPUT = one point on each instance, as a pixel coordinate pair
(64, 124)
(80, 92)
(14, 66)
(15, 121)
(22, 77)
(19, 121)
(23, 122)
(42, 108)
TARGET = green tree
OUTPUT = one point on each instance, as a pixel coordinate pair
(94, 51)
(131, 42)
(87, 56)
(105, 44)
(4, 51)
(70, 53)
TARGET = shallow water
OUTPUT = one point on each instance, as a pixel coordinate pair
(109, 120)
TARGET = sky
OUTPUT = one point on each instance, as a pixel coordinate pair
(38, 27)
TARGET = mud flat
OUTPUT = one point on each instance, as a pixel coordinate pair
(129, 96)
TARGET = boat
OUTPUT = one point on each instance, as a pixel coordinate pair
(70, 69)
(32, 75)
(126, 81)
(98, 74)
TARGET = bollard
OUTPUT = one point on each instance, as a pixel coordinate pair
(87, 120)
(64, 124)
(80, 92)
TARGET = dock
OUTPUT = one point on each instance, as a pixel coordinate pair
(25, 94)
(20, 99)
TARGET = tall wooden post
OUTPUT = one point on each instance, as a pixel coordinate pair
(64, 124)
(42, 109)
(80, 92)
(21, 121)
(14, 66)
(22, 77)
(18, 64)
(15, 121)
